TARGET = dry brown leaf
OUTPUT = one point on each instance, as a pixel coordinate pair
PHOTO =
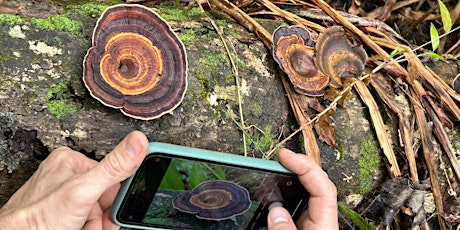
(325, 131)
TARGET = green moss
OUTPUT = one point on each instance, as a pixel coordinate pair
(61, 108)
(4, 57)
(340, 152)
(88, 9)
(266, 140)
(222, 23)
(369, 161)
(58, 100)
(284, 24)
(9, 19)
(209, 64)
(213, 60)
(175, 13)
(262, 140)
(255, 108)
(187, 36)
(60, 23)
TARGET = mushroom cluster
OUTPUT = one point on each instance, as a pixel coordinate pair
(293, 52)
(214, 200)
(311, 69)
(136, 63)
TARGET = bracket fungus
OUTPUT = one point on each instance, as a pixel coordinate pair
(337, 56)
(136, 63)
(214, 200)
(293, 51)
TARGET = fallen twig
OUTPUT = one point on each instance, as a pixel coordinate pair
(428, 153)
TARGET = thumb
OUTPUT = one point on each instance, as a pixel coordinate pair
(280, 219)
(119, 164)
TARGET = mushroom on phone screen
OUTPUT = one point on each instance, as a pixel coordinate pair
(214, 200)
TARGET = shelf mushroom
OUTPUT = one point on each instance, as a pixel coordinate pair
(136, 63)
(214, 200)
(337, 57)
(293, 51)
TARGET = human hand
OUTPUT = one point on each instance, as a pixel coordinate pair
(322, 205)
(71, 191)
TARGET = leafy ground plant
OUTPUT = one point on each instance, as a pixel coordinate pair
(434, 35)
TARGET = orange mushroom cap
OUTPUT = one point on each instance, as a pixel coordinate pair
(293, 51)
(136, 63)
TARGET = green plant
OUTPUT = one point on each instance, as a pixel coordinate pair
(201, 172)
(360, 222)
(59, 100)
(172, 179)
(434, 35)
(198, 172)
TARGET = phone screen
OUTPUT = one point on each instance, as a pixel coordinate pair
(180, 193)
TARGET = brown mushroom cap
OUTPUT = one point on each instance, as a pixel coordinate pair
(337, 57)
(136, 63)
(214, 200)
(293, 53)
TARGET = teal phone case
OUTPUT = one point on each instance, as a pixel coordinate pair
(199, 154)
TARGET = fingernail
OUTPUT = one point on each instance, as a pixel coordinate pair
(133, 145)
(278, 215)
(275, 204)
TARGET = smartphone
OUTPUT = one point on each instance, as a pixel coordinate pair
(179, 187)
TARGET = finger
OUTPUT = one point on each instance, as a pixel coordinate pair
(66, 159)
(118, 165)
(280, 219)
(108, 197)
(310, 173)
(107, 222)
(323, 193)
(94, 220)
